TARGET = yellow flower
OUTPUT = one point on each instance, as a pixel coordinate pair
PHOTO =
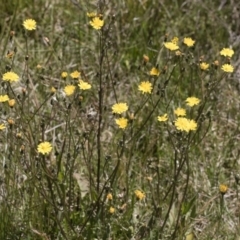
(227, 52)
(30, 24)
(175, 40)
(44, 148)
(111, 210)
(180, 112)
(84, 85)
(91, 14)
(227, 68)
(154, 72)
(121, 122)
(223, 188)
(119, 108)
(4, 98)
(11, 102)
(145, 87)
(69, 90)
(2, 126)
(204, 66)
(163, 118)
(139, 194)
(189, 42)
(184, 124)
(171, 46)
(109, 197)
(53, 90)
(192, 101)
(75, 74)
(97, 23)
(64, 74)
(10, 77)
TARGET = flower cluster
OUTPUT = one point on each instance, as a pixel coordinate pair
(184, 124)
(173, 44)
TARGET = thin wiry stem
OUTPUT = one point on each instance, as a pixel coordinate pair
(100, 99)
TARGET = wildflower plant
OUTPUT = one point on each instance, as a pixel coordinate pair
(106, 118)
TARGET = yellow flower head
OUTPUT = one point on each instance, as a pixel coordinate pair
(175, 40)
(53, 90)
(84, 85)
(4, 98)
(171, 46)
(75, 74)
(91, 14)
(227, 52)
(139, 194)
(154, 72)
(11, 102)
(192, 101)
(69, 90)
(180, 112)
(64, 74)
(223, 188)
(30, 24)
(44, 148)
(145, 87)
(227, 68)
(163, 118)
(184, 124)
(189, 42)
(204, 66)
(2, 126)
(97, 23)
(119, 108)
(121, 122)
(10, 77)
(111, 210)
(109, 197)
